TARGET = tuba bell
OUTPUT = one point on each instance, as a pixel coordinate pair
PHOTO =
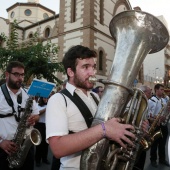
(136, 34)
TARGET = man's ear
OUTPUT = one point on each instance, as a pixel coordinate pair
(6, 74)
(70, 72)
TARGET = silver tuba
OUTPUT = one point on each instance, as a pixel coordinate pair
(136, 34)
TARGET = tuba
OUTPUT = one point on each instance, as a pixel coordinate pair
(136, 34)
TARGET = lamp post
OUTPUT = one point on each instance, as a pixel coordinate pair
(155, 75)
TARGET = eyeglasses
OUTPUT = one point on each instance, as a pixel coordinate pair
(18, 75)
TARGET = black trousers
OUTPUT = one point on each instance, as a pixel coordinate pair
(140, 163)
(55, 164)
(28, 164)
(159, 145)
(42, 149)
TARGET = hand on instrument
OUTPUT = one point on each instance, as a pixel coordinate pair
(8, 146)
(145, 126)
(32, 120)
(120, 133)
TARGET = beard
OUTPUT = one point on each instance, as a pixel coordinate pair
(14, 85)
(82, 84)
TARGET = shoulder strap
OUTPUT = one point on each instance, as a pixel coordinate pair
(6, 94)
(8, 97)
(152, 100)
(80, 105)
(10, 103)
(95, 99)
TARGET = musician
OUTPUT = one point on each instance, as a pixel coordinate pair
(140, 163)
(99, 90)
(41, 152)
(155, 104)
(64, 116)
(10, 115)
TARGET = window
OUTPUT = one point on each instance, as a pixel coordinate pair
(100, 60)
(45, 15)
(12, 14)
(47, 32)
(30, 35)
(101, 11)
(73, 10)
(28, 12)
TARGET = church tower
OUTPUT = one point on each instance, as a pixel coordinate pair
(86, 22)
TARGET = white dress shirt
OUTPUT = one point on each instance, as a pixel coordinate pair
(8, 125)
(155, 104)
(61, 119)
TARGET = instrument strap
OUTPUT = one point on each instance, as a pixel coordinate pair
(80, 105)
(10, 103)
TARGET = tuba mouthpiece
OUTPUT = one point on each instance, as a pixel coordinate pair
(92, 79)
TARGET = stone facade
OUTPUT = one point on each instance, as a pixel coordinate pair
(84, 22)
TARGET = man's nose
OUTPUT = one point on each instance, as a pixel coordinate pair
(92, 71)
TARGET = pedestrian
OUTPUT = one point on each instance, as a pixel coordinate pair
(42, 149)
(155, 105)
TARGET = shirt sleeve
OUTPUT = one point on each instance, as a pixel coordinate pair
(35, 109)
(56, 116)
(151, 107)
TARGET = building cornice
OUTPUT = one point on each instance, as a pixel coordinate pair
(30, 5)
(38, 23)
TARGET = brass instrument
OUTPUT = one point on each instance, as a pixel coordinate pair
(166, 114)
(148, 140)
(136, 34)
(17, 159)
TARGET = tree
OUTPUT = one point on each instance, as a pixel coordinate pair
(40, 59)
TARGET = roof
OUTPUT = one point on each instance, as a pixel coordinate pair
(30, 5)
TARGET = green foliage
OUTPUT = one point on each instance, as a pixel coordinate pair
(36, 56)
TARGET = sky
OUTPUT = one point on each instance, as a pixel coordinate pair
(155, 7)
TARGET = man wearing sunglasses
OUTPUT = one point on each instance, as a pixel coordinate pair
(10, 114)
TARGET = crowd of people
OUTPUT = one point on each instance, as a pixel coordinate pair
(64, 118)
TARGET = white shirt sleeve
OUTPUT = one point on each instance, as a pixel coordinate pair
(56, 117)
(151, 107)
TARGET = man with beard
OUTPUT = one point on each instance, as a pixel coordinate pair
(10, 114)
(66, 128)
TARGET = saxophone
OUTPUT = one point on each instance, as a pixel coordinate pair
(151, 136)
(136, 34)
(22, 141)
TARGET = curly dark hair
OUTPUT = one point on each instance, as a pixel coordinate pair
(74, 53)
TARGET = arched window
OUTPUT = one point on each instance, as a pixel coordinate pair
(101, 11)
(47, 32)
(30, 35)
(100, 60)
(73, 10)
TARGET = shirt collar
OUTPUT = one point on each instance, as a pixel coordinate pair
(71, 88)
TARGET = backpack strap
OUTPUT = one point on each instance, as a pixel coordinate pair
(80, 105)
